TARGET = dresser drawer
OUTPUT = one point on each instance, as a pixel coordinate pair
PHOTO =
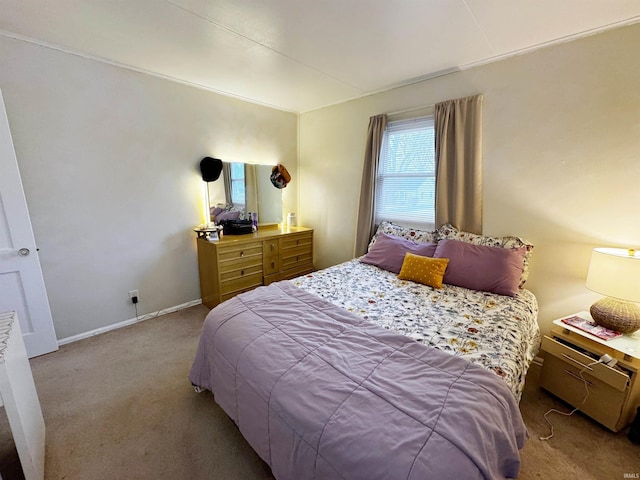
(241, 281)
(240, 263)
(270, 266)
(571, 356)
(271, 257)
(239, 272)
(296, 272)
(296, 261)
(296, 256)
(228, 295)
(239, 268)
(240, 252)
(271, 248)
(302, 241)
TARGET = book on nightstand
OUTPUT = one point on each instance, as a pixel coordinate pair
(591, 327)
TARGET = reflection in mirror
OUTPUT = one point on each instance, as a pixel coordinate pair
(242, 188)
(237, 180)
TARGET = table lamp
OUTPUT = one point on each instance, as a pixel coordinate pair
(615, 273)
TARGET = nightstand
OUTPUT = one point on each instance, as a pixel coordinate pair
(614, 392)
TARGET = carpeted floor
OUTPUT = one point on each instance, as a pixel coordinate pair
(119, 405)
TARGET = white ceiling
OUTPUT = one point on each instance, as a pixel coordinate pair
(299, 55)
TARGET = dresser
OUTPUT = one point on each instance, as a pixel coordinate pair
(237, 263)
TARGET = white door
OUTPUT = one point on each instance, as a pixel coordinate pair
(21, 284)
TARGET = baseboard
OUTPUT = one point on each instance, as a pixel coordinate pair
(126, 323)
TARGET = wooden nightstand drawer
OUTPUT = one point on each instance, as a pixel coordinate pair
(610, 376)
(604, 402)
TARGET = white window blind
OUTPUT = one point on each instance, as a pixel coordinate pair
(406, 177)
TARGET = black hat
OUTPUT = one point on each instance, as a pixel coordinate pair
(210, 169)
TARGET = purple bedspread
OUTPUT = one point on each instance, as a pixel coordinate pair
(320, 393)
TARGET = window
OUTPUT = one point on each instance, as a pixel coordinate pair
(238, 195)
(406, 177)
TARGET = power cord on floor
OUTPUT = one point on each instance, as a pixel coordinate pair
(134, 299)
(603, 359)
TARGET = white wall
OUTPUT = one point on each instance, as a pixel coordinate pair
(561, 158)
(109, 161)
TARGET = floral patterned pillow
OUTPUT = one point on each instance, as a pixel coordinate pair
(404, 232)
(450, 232)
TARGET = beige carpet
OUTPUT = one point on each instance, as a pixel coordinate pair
(119, 406)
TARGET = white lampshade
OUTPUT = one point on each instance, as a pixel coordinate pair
(615, 272)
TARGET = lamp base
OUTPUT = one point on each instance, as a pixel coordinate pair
(616, 314)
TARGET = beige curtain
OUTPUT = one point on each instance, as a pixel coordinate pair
(458, 126)
(226, 174)
(366, 222)
(251, 188)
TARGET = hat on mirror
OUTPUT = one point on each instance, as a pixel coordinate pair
(280, 177)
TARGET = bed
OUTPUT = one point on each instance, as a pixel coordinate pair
(356, 371)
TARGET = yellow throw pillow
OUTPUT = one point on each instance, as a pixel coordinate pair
(425, 270)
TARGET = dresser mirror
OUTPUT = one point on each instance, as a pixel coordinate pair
(246, 187)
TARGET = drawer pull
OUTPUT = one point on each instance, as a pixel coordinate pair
(297, 242)
(241, 272)
(272, 247)
(242, 254)
(578, 377)
(576, 361)
(273, 264)
(297, 258)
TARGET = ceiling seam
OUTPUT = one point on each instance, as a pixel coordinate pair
(487, 61)
(556, 41)
(477, 22)
(95, 58)
(241, 35)
(301, 111)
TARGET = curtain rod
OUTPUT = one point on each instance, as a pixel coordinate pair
(407, 110)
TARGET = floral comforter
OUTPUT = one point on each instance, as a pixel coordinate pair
(497, 332)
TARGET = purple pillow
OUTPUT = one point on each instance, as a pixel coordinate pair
(388, 252)
(480, 267)
(228, 215)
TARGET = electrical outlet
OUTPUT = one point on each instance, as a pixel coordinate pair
(133, 293)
